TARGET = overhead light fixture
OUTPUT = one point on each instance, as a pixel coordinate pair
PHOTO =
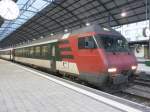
(123, 14)
(88, 24)
(9, 9)
(41, 37)
(106, 29)
(52, 34)
(66, 30)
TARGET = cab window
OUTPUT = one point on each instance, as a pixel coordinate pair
(112, 43)
(86, 43)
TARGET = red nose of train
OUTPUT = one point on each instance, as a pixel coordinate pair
(119, 62)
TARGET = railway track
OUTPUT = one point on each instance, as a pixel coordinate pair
(138, 90)
(140, 86)
(143, 82)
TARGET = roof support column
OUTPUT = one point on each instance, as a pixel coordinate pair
(109, 20)
(148, 17)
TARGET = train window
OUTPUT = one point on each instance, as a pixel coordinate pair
(19, 52)
(31, 51)
(15, 52)
(81, 43)
(86, 43)
(27, 52)
(112, 43)
(37, 51)
(23, 52)
(44, 50)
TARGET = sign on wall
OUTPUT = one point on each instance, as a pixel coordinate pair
(146, 32)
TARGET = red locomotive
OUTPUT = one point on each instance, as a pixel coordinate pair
(95, 54)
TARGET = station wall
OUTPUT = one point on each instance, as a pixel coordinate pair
(140, 51)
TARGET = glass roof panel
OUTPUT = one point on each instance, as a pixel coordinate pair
(28, 8)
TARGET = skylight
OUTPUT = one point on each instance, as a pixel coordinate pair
(28, 8)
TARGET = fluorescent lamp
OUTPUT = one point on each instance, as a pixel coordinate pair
(88, 24)
(66, 30)
(123, 14)
(52, 34)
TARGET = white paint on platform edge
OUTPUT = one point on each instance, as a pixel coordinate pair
(90, 94)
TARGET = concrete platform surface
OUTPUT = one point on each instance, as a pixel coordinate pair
(23, 90)
(143, 68)
(142, 60)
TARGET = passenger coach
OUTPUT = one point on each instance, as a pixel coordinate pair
(6, 54)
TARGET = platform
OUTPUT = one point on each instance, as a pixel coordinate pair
(143, 68)
(142, 60)
(26, 90)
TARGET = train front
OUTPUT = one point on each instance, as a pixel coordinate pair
(121, 63)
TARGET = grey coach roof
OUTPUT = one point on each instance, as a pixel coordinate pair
(70, 14)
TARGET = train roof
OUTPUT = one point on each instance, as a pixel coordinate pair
(7, 49)
(97, 29)
(92, 28)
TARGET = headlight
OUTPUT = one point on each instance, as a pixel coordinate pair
(133, 67)
(111, 70)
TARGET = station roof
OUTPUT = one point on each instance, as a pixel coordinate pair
(140, 42)
(57, 15)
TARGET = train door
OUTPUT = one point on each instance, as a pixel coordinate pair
(13, 55)
(53, 56)
(10, 54)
